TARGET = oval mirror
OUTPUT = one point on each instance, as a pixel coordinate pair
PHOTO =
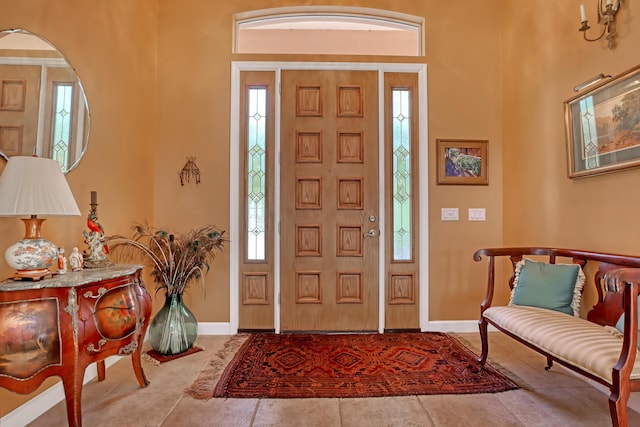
(43, 108)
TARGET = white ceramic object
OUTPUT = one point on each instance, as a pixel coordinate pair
(31, 254)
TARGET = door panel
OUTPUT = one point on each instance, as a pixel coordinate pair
(402, 192)
(19, 92)
(257, 139)
(329, 201)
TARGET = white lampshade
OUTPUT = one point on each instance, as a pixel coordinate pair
(35, 186)
(32, 186)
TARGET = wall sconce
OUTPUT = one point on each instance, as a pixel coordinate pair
(607, 10)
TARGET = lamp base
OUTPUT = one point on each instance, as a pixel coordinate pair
(31, 258)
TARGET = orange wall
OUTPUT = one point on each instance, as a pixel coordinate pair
(543, 58)
(111, 43)
(540, 66)
(194, 57)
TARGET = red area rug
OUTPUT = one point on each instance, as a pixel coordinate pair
(355, 365)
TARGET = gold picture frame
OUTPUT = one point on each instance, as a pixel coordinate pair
(462, 161)
(602, 126)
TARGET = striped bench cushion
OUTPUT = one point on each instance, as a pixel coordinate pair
(568, 338)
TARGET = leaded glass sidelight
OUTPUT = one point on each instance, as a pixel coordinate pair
(61, 134)
(402, 214)
(256, 174)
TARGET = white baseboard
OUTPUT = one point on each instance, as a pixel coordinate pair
(44, 401)
(215, 328)
(452, 326)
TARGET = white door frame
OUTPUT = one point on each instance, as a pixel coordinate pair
(234, 179)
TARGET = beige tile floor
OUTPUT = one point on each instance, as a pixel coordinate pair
(554, 398)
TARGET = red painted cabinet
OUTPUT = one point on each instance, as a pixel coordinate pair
(59, 326)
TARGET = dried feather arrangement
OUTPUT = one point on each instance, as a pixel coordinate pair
(177, 259)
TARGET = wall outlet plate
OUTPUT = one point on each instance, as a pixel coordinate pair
(449, 214)
(477, 214)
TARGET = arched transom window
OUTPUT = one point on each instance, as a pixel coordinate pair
(336, 31)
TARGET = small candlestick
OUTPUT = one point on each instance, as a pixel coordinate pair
(94, 197)
(583, 15)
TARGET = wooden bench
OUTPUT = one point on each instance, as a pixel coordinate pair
(590, 347)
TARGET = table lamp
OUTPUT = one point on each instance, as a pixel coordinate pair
(32, 186)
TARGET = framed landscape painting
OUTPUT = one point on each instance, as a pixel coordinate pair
(603, 126)
(462, 161)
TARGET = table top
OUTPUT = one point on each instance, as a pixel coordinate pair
(71, 278)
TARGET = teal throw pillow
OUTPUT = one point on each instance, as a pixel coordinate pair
(551, 286)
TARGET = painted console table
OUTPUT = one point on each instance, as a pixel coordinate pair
(60, 325)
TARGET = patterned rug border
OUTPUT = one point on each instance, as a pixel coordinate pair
(211, 381)
(473, 348)
(202, 387)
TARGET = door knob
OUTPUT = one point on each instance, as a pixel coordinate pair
(371, 233)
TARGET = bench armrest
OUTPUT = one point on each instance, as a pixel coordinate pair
(616, 280)
(514, 255)
(627, 282)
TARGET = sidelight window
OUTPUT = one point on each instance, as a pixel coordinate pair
(256, 173)
(61, 134)
(401, 174)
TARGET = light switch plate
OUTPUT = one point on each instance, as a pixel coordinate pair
(477, 214)
(449, 214)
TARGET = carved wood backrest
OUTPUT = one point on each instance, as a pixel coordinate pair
(609, 305)
(515, 259)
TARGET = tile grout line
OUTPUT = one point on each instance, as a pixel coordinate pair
(255, 412)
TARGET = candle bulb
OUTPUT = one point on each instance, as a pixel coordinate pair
(94, 197)
(583, 15)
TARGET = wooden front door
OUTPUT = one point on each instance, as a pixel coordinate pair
(329, 228)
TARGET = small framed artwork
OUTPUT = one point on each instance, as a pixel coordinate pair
(462, 161)
(603, 126)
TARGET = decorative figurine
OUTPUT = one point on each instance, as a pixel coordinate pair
(75, 259)
(98, 249)
(62, 262)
